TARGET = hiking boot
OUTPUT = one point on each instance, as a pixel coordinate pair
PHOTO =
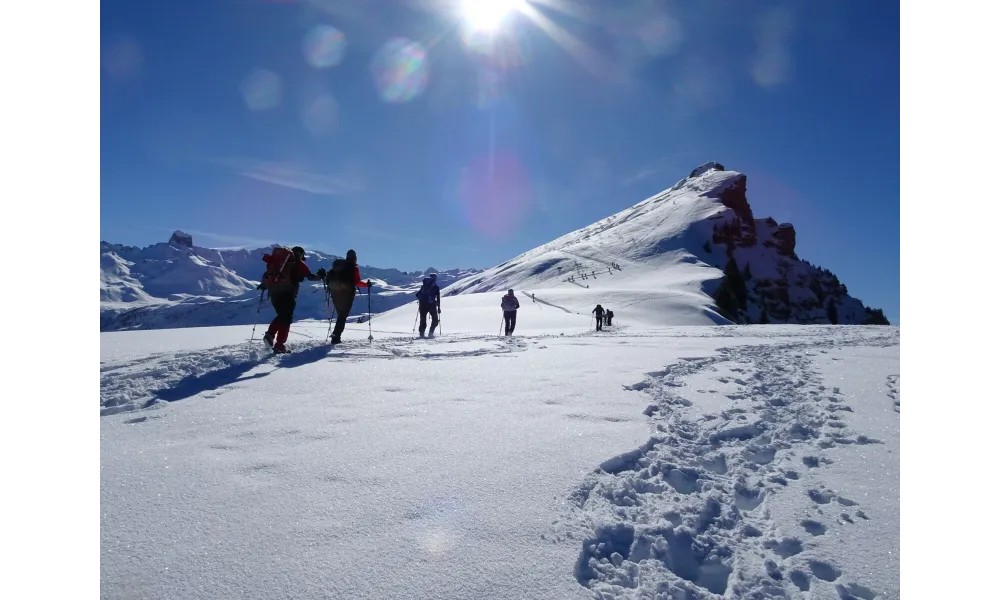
(269, 339)
(335, 339)
(279, 348)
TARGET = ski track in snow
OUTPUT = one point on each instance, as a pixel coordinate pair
(687, 514)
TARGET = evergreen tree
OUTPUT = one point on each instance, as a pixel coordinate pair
(764, 320)
(737, 286)
(831, 312)
(875, 317)
(726, 301)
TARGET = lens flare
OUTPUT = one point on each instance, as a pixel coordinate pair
(495, 194)
(262, 89)
(400, 70)
(324, 46)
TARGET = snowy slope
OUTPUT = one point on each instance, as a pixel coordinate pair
(639, 462)
(178, 284)
(669, 253)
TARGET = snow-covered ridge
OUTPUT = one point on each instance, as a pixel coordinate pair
(694, 249)
(180, 284)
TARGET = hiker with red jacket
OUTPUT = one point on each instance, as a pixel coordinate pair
(341, 280)
(286, 269)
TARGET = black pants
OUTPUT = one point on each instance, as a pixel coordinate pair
(343, 300)
(423, 318)
(284, 306)
(600, 321)
(509, 321)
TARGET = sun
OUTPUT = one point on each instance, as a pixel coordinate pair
(488, 15)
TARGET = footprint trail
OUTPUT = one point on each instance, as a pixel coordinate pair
(687, 514)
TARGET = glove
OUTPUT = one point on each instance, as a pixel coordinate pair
(321, 273)
(439, 310)
(368, 283)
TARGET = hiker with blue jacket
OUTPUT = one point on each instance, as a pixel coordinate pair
(429, 301)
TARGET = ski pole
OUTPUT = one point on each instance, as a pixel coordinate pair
(369, 311)
(260, 302)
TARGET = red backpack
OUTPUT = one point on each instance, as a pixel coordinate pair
(280, 269)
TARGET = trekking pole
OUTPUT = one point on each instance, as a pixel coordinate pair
(260, 302)
(369, 311)
(500, 332)
(415, 317)
(328, 300)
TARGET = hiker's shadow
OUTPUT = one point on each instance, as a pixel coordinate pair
(193, 385)
(304, 357)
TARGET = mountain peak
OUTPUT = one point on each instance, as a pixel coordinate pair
(182, 239)
(695, 252)
(705, 167)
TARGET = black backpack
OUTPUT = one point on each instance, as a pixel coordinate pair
(341, 272)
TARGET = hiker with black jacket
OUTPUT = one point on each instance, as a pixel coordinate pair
(429, 301)
(341, 280)
(599, 312)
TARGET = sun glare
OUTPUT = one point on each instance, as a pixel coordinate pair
(488, 15)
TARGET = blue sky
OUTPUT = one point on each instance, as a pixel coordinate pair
(375, 124)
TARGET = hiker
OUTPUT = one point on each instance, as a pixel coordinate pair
(286, 269)
(429, 301)
(600, 316)
(341, 280)
(532, 297)
(609, 315)
(509, 306)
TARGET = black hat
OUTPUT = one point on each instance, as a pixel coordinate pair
(352, 256)
(299, 251)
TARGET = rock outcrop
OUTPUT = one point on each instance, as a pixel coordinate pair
(182, 239)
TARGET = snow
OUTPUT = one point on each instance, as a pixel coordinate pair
(749, 461)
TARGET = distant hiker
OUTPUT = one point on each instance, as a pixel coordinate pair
(609, 315)
(429, 301)
(509, 306)
(599, 312)
(532, 297)
(286, 269)
(341, 280)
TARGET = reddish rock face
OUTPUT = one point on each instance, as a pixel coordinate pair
(786, 239)
(735, 197)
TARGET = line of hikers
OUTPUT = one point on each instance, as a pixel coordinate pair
(286, 270)
(603, 316)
